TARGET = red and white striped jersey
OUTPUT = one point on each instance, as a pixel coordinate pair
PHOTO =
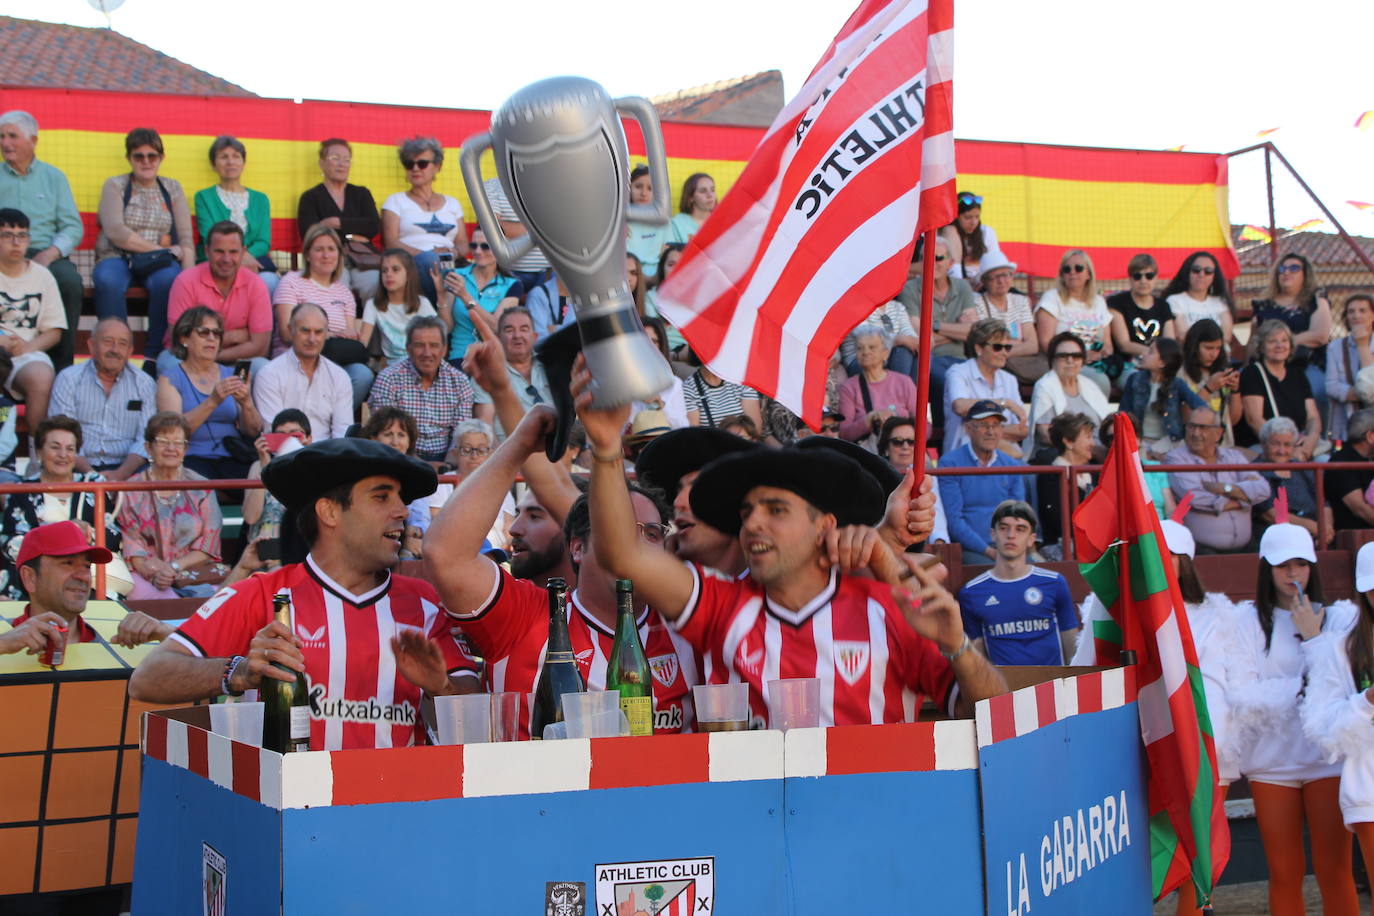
(872, 665)
(357, 697)
(510, 630)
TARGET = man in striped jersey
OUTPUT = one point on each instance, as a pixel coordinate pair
(367, 641)
(507, 619)
(876, 646)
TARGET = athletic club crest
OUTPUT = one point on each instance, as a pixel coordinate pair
(664, 668)
(851, 660)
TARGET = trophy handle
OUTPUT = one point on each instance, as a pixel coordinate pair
(640, 110)
(506, 250)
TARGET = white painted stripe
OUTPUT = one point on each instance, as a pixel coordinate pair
(1066, 697)
(982, 718)
(176, 744)
(526, 767)
(307, 780)
(337, 681)
(221, 760)
(269, 779)
(744, 756)
(1113, 688)
(956, 745)
(387, 627)
(804, 753)
(1026, 710)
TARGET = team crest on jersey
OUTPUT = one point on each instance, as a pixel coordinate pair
(1033, 595)
(664, 668)
(851, 660)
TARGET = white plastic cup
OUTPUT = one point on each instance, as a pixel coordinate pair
(594, 714)
(794, 703)
(505, 715)
(240, 721)
(464, 719)
(722, 703)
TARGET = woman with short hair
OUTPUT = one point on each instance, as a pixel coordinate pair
(420, 219)
(1270, 387)
(1139, 317)
(230, 201)
(1072, 436)
(1062, 390)
(346, 208)
(873, 394)
(1279, 437)
(1346, 356)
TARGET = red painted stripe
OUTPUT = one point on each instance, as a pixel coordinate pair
(1080, 163)
(400, 774)
(1002, 717)
(155, 736)
(619, 763)
(198, 751)
(1110, 263)
(1046, 709)
(1089, 692)
(246, 761)
(908, 747)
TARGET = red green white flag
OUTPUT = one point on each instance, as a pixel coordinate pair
(1127, 565)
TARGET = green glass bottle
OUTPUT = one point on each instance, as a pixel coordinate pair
(560, 674)
(627, 670)
(285, 706)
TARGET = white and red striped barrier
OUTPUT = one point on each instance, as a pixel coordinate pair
(1021, 712)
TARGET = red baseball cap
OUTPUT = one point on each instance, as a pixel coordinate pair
(59, 539)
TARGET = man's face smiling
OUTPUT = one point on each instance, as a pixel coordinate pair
(780, 534)
(374, 523)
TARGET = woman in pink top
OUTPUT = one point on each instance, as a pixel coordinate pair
(874, 394)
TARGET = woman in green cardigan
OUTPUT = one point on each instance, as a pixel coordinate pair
(232, 201)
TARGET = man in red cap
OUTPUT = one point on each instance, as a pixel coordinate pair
(55, 568)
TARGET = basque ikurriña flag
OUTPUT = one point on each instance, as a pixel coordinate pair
(1129, 570)
(818, 230)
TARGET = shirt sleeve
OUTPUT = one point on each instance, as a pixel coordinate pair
(458, 661)
(714, 596)
(1049, 303)
(924, 669)
(224, 625)
(211, 521)
(511, 610)
(259, 310)
(180, 299)
(69, 228)
(258, 239)
(973, 624)
(268, 391)
(342, 408)
(1065, 611)
(1250, 382)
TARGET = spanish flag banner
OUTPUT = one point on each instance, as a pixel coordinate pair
(1041, 200)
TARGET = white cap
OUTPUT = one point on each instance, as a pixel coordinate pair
(995, 260)
(1364, 569)
(1178, 538)
(1285, 542)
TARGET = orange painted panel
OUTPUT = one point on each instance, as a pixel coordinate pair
(18, 850)
(22, 778)
(123, 869)
(74, 855)
(81, 784)
(130, 777)
(24, 726)
(89, 713)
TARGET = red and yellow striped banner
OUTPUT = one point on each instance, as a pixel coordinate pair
(1041, 200)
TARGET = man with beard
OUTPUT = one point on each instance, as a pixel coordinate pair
(876, 646)
(348, 499)
(507, 618)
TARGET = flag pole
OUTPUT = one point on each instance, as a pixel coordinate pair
(923, 357)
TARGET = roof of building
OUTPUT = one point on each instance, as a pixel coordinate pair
(1323, 249)
(75, 57)
(752, 101)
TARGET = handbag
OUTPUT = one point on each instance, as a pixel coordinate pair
(360, 253)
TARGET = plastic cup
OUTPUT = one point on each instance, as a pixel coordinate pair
(240, 722)
(464, 719)
(794, 703)
(594, 714)
(721, 707)
(505, 716)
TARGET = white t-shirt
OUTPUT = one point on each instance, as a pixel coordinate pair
(392, 325)
(1190, 311)
(500, 205)
(1087, 320)
(421, 229)
(1018, 312)
(498, 535)
(30, 303)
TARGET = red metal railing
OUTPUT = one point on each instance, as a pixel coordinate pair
(1068, 493)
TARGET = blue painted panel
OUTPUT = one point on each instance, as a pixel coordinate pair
(1037, 789)
(885, 842)
(493, 855)
(178, 811)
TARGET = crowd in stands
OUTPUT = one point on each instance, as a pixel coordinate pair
(425, 344)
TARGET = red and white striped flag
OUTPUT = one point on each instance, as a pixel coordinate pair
(818, 230)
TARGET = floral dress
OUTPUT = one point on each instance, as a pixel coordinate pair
(26, 511)
(169, 524)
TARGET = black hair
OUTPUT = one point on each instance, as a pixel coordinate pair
(15, 219)
(662, 273)
(1171, 357)
(1064, 337)
(578, 523)
(1204, 331)
(1360, 644)
(890, 425)
(292, 415)
(1266, 596)
(308, 523)
(1015, 508)
(1189, 583)
(1180, 282)
(224, 227)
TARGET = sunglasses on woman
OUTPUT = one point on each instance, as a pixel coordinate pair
(901, 443)
(1203, 269)
(1290, 268)
(1073, 268)
(479, 246)
(417, 164)
(1002, 347)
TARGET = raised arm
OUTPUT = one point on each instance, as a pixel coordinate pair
(663, 580)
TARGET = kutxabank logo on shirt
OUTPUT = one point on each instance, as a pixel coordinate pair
(365, 711)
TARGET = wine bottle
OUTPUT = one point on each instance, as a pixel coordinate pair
(560, 674)
(285, 706)
(627, 670)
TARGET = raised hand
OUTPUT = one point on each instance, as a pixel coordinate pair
(604, 425)
(485, 360)
(930, 609)
(419, 660)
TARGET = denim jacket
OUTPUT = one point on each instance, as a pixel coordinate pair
(1135, 400)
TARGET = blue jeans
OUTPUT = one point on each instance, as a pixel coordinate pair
(111, 278)
(1317, 379)
(361, 377)
(423, 262)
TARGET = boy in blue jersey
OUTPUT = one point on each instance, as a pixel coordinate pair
(1019, 614)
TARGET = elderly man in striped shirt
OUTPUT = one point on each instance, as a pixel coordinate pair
(111, 400)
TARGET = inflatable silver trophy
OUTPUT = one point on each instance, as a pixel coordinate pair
(561, 158)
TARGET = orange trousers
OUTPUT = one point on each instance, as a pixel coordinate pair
(1281, 812)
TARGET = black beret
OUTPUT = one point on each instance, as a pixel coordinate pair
(883, 472)
(826, 479)
(298, 479)
(679, 452)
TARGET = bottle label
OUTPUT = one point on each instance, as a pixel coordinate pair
(300, 723)
(640, 712)
(552, 657)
